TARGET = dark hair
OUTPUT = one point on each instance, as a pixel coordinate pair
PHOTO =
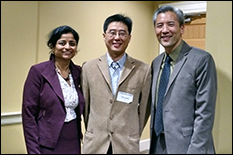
(57, 32)
(118, 18)
(167, 8)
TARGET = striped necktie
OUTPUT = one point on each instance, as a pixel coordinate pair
(115, 65)
(115, 76)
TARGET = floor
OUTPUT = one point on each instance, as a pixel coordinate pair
(145, 152)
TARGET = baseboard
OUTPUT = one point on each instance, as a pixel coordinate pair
(11, 118)
(15, 118)
(144, 145)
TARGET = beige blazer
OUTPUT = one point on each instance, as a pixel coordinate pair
(107, 119)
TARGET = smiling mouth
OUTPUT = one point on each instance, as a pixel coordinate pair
(116, 45)
(67, 52)
(165, 38)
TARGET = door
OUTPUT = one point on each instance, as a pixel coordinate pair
(194, 32)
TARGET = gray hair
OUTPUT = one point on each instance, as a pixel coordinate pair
(166, 8)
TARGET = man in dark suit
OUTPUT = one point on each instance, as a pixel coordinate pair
(188, 105)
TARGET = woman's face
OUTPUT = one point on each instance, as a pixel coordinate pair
(66, 47)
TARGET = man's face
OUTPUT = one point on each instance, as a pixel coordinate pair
(116, 38)
(168, 31)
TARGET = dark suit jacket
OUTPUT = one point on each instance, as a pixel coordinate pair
(189, 102)
(43, 109)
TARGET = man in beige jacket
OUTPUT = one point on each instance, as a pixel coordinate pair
(116, 99)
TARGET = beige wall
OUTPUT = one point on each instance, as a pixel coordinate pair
(219, 44)
(24, 29)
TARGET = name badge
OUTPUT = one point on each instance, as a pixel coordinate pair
(124, 97)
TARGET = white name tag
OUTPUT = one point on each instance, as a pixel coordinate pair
(124, 97)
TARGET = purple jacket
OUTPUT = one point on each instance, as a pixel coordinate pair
(43, 109)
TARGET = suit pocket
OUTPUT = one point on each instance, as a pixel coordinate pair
(89, 134)
(41, 114)
(134, 137)
(187, 131)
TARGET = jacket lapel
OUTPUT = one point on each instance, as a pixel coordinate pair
(179, 63)
(128, 68)
(104, 69)
(51, 76)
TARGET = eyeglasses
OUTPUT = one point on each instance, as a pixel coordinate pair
(121, 34)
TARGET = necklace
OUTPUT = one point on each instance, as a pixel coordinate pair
(66, 79)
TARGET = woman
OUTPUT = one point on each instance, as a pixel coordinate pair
(52, 99)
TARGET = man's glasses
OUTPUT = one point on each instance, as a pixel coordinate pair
(121, 34)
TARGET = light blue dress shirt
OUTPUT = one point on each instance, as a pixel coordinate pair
(115, 74)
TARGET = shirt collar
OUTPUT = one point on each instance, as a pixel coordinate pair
(121, 62)
(175, 53)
